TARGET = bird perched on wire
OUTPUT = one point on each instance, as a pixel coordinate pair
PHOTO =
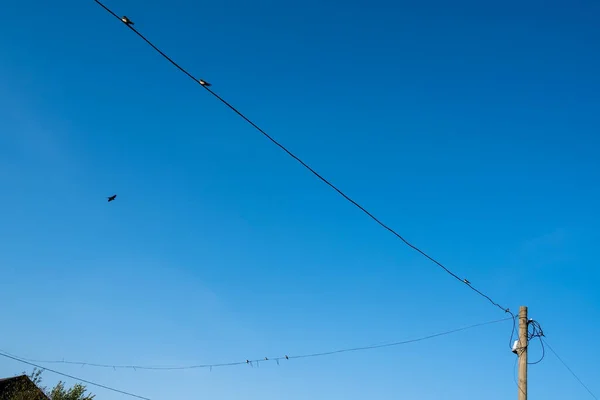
(127, 21)
(204, 83)
(112, 198)
(466, 281)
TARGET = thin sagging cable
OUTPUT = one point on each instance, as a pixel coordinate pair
(512, 332)
(304, 164)
(569, 369)
(258, 360)
(73, 377)
(516, 379)
(543, 353)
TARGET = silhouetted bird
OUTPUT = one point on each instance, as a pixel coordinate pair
(112, 198)
(466, 281)
(204, 83)
(127, 21)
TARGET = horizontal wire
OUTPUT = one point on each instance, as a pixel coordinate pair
(259, 360)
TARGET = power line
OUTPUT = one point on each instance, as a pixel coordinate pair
(73, 377)
(206, 85)
(257, 360)
(512, 333)
(515, 376)
(569, 369)
(535, 332)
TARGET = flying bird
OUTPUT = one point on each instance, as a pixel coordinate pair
(204, 83)
(127, 21)
(112, 198)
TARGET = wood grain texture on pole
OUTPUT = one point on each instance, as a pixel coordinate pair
(522, 351)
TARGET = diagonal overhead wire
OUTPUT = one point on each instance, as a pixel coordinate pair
(257, 360)
(21, 360)
(569, 369)
(204, 84)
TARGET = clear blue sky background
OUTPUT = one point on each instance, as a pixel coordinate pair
(471, 127)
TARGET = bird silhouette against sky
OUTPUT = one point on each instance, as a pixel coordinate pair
(112, 198)
(127, 21)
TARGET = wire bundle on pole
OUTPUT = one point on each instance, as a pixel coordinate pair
(534, 330)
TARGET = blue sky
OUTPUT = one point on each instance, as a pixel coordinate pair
(469, 127)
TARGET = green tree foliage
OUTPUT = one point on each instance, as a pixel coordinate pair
(23, 389)
(77, 392)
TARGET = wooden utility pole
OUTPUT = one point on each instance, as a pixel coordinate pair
(522, 352)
